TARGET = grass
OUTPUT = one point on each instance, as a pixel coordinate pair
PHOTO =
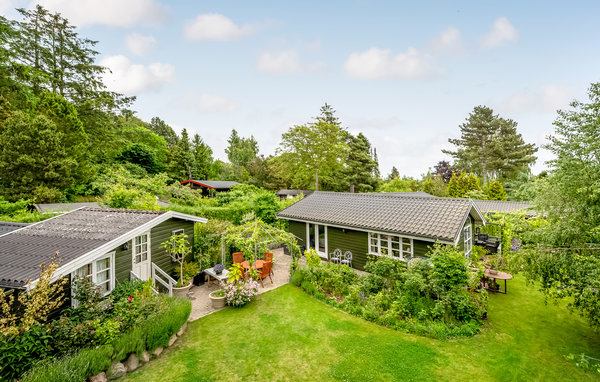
(288, 336)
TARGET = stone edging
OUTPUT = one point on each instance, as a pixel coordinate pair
(133, 362)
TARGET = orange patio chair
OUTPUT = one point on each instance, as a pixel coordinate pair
(266, 272)
(269, 258)
(238, 257)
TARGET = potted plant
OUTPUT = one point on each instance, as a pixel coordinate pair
(217, 299)
(178, 248)
(218, 268)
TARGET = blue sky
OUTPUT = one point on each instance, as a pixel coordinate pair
(405, 74)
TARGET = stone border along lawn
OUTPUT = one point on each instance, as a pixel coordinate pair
(287, 335)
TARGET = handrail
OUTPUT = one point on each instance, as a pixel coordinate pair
(156, 271)
(134, 276)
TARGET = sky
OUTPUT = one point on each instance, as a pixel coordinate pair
(405, 74)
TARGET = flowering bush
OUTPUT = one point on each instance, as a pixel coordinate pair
(240, 293)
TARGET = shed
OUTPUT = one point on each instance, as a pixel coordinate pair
(209, 187)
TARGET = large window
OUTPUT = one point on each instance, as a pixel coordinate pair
(468, 237)
(396, 247)
(100, 271)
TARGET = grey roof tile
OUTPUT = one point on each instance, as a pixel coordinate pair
(72, 235)
(216, 184)
(420, 216)
(63, 207)
(6, 227)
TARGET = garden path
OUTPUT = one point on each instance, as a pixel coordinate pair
(201, 304)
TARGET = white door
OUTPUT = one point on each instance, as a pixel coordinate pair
(141, 256)
(316, 237)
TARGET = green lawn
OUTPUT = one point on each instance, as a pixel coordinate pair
(286, 335)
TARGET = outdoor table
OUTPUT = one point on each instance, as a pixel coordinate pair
(498, 276)
(210, 272)
(258, 264)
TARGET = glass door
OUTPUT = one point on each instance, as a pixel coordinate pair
(317, 238)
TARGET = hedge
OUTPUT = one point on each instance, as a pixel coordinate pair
(153, 333)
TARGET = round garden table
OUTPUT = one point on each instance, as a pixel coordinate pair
(258, 264)
(497, 275)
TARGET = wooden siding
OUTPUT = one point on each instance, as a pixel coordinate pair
(158, 234)
(299, 229)
(356, 242)
(161, 233)
(122, 263)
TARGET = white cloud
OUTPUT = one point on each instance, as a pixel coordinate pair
(502, 30)
(108, 12)
(139, 44)
(286, 62)
(547, 99)
(378, 63)
(213, 26)
(131, 79)
(6, 6)
(207, 102)
(448, 40)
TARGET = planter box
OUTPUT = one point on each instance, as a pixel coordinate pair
(183, 291)
(217, 302)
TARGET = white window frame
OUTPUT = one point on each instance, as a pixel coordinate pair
(468, 239)
(94, 274)
(177, 231)
(377, 243)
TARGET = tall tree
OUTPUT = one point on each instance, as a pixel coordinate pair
(241, 150)
(160, 128)
(490, 146)
(394, 174)
(182, 159)
(34, 156)
(443, 169)
(361, 167)
(327, 115)
(203, 160)
(315, 149)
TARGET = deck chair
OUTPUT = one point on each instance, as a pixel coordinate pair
(336, 256)
(347, 260)
(266, 272)
(238, 257)
(268, 258)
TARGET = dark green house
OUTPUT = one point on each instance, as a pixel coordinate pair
(107, 245)
(393, 225)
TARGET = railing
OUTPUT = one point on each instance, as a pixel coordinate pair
(160, 276)
(134, 276)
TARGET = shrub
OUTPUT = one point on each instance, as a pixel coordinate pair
(160, 328)
(19, 352)
(312, 258)
(240, 293)
(298, 277)
(449, 268)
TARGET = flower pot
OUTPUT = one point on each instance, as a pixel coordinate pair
(182, 291)
(217, 302)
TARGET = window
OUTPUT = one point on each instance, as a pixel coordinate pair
(468, 237)
(100, 271)
(396, 247)
(141, 249)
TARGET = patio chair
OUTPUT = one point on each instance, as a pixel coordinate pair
(238, 257)
(268, 257)
(336, 256)
(347, 260)
(266, 272)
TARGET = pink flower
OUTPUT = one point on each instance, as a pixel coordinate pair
(130, 298)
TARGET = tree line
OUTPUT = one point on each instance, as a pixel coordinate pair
(61, 129)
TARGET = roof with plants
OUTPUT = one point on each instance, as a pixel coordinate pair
(72, 235)
(420, 216)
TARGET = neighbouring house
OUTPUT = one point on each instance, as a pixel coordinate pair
(397, 226)
(290, 194)
(503, 206)
(108, 245)
(6, 227)
(209, 187)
